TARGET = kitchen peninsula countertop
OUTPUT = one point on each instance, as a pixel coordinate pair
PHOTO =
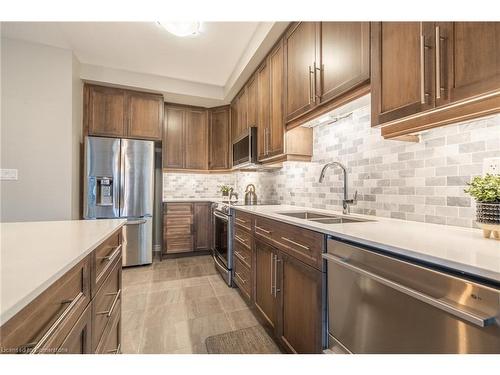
(35, 254)
(463, 250)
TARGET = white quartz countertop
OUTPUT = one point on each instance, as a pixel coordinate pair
(35, 254)
(459, 249)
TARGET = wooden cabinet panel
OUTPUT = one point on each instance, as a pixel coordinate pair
(196, 133)
(263, 109)
(265, 300)
(111, 343)
(243, 221)
(251, 89)
(219, 139)
(144, 115)
(202, 225)
(106, 111)
(469, 59)
(402, 69)
(78, 340)
(345, 57)
(300, 301)
(277, 123)
(300, 45)
(242, 124)
(173, 142)
(242, 278)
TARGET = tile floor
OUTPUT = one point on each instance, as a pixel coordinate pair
(174, 305)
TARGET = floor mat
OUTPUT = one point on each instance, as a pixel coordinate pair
(252, 340)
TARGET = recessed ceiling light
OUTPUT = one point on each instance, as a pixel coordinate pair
(182, 28)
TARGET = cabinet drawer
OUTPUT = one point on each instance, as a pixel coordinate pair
(105, 256)
(42, 326)
(242, 277)
(78, 340)
(178, 244)
(303, 244)
(178, 209)
(244, 254)
(111, 339)
(106, 302)
(243, 221)
(242, 237)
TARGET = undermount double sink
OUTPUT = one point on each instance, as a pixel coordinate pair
(323, 218)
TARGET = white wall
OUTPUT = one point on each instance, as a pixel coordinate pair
(39, 131)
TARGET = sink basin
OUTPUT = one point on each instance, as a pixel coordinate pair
(306, 215)
(323, 218)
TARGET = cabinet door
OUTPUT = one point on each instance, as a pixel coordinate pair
(219, 139)
(265, 300)
(178, 219)
(242, 112)
(468, 59)
(252, 102)
(202, 225)
(106, 111)
(78, 340)
(234, 120)
(345, 57)
(300, 45)
(196, 134)
(263, 109)
(402, 69)
(277, 124)
(144, 115)
(173, 138)
(300, 301)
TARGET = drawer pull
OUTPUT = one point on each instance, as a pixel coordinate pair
(111, 257)
(244, 281)
(115, 351)
(238, 254)
(295, 243)
(35, 346)
(240, 238)
(240, 220)
(262, 229)
(110, 311)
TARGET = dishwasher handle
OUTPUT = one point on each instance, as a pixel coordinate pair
(478, 320)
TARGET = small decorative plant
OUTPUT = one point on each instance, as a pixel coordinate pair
(485, 189)
(224, 189)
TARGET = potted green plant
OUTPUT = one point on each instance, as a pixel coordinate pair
(486, 191)
(224, 189)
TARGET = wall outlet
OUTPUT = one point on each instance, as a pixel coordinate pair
(491, 166)
(8, 174)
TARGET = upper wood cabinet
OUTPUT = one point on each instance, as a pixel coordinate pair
(251, 89)
(173, 138)
(114, 112)
(105, 111)
(345, 57)
(218, 134)
(196, 138)
(185, 143)
(263, 109)
(420, 68)
(324, 61)
(301, 55)
(145, 115)
(276, 130)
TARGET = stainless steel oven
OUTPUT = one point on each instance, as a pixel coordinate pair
(222, 224)
(380, 304)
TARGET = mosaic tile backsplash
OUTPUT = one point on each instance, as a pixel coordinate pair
(413, 181)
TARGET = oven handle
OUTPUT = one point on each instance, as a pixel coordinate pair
(481, 321)
(216, 261)
(220, 216)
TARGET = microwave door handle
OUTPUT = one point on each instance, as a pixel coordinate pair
(481, 321)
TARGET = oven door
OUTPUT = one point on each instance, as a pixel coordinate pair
(221, 238)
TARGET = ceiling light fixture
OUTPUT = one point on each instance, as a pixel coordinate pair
(182, 28)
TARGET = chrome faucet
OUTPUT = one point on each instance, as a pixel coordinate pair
(345, 202)
(232, 193)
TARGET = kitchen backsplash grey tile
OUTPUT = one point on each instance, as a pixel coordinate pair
(413, 181)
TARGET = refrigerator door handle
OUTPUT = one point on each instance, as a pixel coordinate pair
(122, 177)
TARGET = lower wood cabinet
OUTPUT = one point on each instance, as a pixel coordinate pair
(187, 227)
(74, 315)
(287, 280)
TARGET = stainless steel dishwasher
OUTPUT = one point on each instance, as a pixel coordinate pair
(380, 304)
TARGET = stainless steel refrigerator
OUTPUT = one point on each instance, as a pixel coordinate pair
(119, 183)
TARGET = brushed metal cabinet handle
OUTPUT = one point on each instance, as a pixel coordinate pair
(271, 259)
(115, 351)
(109, 312)
(113, 255)
(295, 243)
(240, 238)
(439, 39)
(481, 321)
(240, 220)
(276, 289)
(262, 229)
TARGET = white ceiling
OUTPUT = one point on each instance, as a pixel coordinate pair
(207, 65)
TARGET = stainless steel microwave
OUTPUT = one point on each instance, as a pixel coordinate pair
(245, 149)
